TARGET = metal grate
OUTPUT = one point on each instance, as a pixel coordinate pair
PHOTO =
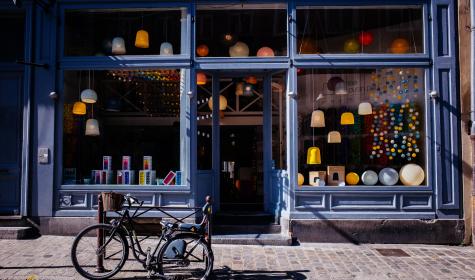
(392, 253)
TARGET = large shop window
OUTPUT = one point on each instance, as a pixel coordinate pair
(13, 30)
(123, 32)
(122, 127)
(353, 30)
(241, 30)
(361, 127)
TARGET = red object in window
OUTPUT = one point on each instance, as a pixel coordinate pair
(365, 38)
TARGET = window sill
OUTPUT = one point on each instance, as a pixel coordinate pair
(397, 188)
(128, 188)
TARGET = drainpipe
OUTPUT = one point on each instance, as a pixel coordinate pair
(472, 108)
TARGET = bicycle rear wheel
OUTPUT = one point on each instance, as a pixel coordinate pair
(185, 256)
(86, 254)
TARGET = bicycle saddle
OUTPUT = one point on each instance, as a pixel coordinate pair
(190, 227)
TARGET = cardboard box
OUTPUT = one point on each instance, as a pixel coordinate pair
(103, 177)
(147, 163)
(147, 177)
(169, 178)
(106, 163)
(125, 177)
(317, 178)
(178, 179)
(336, 175)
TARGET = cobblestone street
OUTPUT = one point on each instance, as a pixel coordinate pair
(48, 258)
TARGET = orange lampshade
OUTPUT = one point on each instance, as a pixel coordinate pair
(141, 39)
(201, 79)
(202, 50)
(251, 80)
(399, 45)
(347, 118)
(79, 108)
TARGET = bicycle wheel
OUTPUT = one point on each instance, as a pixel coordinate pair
(85, 253)
(185, 256)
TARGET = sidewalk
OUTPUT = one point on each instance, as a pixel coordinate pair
(48, 258)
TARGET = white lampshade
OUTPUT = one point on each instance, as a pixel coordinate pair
(318, 119)
(92, 127)
(411, 174)
(88, 96)
(340, 88)
(166, 49)
(239, 49)
(334, 137)
(365, 108)
(223, 103)
(118, 46)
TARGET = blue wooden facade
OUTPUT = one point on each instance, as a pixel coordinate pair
(41, 187)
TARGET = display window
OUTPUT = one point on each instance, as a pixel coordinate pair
(361, 127)
(241, 30)
(360, 30)
(122, 127)
(123, 32)
(13, 30)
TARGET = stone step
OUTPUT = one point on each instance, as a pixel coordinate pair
(257, 218)
(12, 232)
(253, 239)
(246, 229)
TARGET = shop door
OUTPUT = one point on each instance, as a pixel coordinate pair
(10, 142)
(242, 141)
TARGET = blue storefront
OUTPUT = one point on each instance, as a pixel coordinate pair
(340, 119)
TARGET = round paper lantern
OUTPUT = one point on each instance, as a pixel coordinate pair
(202, 50)
(141, 39)
(79, 108)
(300, 179)
(118, 46)
(166, 49)
(347, 118)
(240, 49)
(399, 45)
(318, 119)
(88, 96)
(200, 79)
(388, 176)
(365, 108)
(340, 88)
(223, 103)
(412, 174)
(92, 127)
(351, 46)
(331, 84)
(265, 51)
(334, 137)
(313, 155)
(307, 46)
(352, 178)
(369, 178)
(365, 38)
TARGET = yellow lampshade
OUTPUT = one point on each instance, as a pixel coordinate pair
(201, 79)
(313, 156)
(365, 108)
(347, 118)
(352, 178)
(223, 103)
(79, 108)
(318, 119)
(141, 39)
(334, 137)
(300, 179)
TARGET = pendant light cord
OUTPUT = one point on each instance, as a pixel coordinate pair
(79, 84)
(313, 106)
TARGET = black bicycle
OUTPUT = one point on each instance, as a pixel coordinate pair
(183, 250)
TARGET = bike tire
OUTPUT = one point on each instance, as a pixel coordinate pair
(89, 233)
(191, 237)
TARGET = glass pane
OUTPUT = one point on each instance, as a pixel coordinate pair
(279, 125)
(241, 30)
(123, 32)
(12, 29)
(204, 121)
(130, 135)
(357, 124)
(333, 30)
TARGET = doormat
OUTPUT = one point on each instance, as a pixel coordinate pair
(392, 253)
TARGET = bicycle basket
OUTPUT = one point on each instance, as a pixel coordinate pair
(112, 201)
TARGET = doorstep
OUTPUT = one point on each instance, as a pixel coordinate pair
(17, 232)
(253, 239)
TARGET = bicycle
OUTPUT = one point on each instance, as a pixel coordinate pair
(185, 253)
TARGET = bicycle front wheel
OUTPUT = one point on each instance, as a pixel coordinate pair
(99, 251)
(185, 256)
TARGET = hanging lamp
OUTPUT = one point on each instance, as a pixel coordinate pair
(347, 118)
(118, 46)
(141, 39)
(340, 88)
(313, 153)
(314, 156)
(365, 108)
(334, 137)
(318, 119)
(79, 108)
(89, 95)
(239, 89)
(223, 103)
(166, 47)
(92, 126)
(200, 78)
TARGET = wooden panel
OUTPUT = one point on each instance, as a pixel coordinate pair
(304, 201)
(416, 201)
(174, 200)
(362, 201)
